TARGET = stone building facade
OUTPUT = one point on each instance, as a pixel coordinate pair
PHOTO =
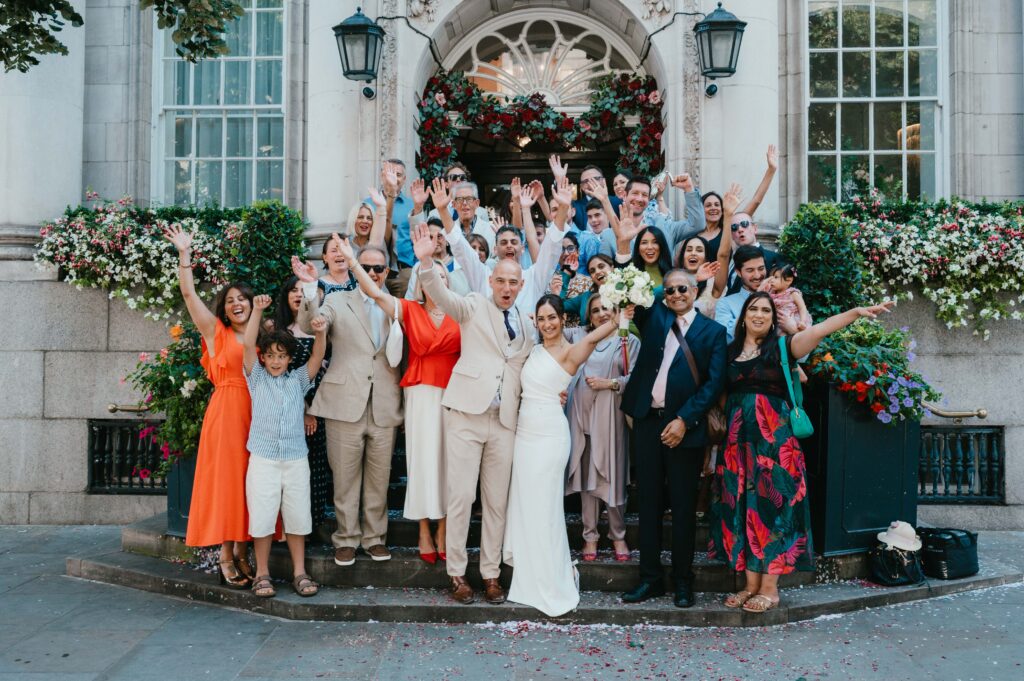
(918, 96)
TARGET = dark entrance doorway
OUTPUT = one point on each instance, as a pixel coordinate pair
(493, 163)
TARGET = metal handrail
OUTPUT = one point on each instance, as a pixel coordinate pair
(131, 408)
(957, 416)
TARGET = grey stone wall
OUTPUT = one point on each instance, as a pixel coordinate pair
(62, 355)
(118, 98)
(986, 93)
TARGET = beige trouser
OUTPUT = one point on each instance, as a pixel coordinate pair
(477, 446)
(592, 510)
(360, 458)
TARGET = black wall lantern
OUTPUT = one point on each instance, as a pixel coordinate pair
(360, 42)
(718, 36)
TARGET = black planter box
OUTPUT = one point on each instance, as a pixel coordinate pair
(179, 496)
(861, 473)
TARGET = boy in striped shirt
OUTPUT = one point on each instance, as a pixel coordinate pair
(277, 480)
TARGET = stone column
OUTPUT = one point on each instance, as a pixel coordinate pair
(341, 125)
(41, 123)
(743, 118)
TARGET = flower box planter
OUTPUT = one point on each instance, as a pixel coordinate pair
(179, 496)
(861, 473)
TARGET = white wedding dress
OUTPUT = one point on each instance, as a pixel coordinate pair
(536, 544)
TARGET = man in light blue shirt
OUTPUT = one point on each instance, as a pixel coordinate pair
(638, 196)
(749, 263)
(402, 208)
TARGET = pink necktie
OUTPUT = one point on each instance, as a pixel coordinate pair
(661, 382)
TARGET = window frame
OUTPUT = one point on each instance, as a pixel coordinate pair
(939, 99)
(162, 112)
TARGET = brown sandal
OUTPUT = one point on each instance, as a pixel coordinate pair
(263, 588)
(759, 604)
(305, 586)
(231, 577)
(737, 599)
(245, 567)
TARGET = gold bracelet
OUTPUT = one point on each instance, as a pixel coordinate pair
(188, 265)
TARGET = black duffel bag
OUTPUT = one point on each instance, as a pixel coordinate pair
(891, 566)
(948, 553)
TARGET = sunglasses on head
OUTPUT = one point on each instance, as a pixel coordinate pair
(741, 224)
(672, 290)
(456, 177)
(376, 269)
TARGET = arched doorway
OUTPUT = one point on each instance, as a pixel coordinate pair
(557, 53)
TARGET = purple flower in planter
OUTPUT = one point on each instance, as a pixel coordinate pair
(884, 417)
(893, 389)
(911, 356)
(894, 408)
(908, 402)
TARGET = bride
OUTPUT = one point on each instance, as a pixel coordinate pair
(536, 544)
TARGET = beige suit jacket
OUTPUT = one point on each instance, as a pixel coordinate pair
(356, 368)
(488, 359)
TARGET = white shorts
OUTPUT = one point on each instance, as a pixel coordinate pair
(273, 487)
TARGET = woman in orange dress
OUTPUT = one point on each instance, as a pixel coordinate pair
(435, 343)
(218, 513)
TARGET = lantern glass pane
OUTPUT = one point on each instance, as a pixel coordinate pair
(355, 52)
(721, 49)
(704, 49)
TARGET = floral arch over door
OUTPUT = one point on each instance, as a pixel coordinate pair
(558, 78)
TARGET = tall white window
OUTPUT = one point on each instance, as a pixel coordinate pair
(873, 85)
(222, 120)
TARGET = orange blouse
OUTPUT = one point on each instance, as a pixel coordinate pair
(433, 351)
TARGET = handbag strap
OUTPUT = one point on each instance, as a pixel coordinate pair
(686, 351)
(796, 395)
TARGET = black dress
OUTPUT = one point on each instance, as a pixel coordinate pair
(321, 496)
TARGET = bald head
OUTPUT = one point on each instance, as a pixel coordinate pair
(506, 281)
(744, 231)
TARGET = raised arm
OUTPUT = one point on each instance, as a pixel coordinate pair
(535, 279)
(455, 306)
(803, 342)
(582, 349)
(625, 231)
(383, 299)
(729, 204)
(766, 181)
(527, 196)
(600, 192)
(380, 232)
(316, 355)
(516, 189)
(310, 307)
(252, 332)
(201, 316)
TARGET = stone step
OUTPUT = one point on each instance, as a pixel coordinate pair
(396, 496)
(432, 605)
(405, 532)
(407, 570)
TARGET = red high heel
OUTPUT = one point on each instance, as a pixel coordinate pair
(429, 557)
(442, 556)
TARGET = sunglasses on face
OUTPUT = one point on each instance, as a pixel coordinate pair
(376, 269)
(672, 290)
(456, 177)
(743, 224)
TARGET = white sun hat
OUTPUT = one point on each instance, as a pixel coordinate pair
(901, 536)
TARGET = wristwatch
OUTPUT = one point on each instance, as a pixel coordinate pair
(615, 384)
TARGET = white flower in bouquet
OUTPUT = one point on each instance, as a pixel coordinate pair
(628, 286)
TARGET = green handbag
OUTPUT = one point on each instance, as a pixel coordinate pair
(799, 422)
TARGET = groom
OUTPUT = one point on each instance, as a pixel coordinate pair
(669, 427)
(481, 409)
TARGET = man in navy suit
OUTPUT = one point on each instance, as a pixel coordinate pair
(669, 427)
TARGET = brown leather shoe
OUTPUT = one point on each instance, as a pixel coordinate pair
(379, 552)
(493, 593)
(346, 555)
(461, 591)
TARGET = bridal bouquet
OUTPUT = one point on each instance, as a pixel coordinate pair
(623, 287)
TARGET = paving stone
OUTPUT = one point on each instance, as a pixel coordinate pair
(219, 658)
(68, 651)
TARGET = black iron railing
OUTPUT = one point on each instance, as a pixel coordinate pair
(962, 465)
(123, 458)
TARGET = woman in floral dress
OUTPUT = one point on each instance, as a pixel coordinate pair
(760, 515)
